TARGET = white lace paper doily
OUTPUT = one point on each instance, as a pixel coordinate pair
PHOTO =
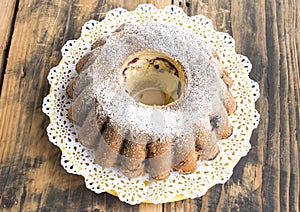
(78, 159)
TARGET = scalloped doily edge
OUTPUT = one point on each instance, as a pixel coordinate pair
(115, 14)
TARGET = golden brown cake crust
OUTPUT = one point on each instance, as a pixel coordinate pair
(159, 158)
(193, 125)
(132, 155)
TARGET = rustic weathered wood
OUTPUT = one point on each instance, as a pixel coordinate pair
(31, 177)
(7, 17)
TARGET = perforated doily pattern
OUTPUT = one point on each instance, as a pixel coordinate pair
(78, 159)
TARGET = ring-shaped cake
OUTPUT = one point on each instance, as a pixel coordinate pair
(158, 96)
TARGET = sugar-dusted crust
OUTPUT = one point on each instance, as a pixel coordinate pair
(191, 126)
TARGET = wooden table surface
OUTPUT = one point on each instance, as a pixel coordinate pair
(32, 33)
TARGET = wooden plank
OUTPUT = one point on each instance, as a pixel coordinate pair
(132, 4)
(217, 11)
(150, 207)
(181, 206)
(7, 17)
(220, 14)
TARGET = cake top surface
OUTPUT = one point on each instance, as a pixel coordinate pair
(203, 94)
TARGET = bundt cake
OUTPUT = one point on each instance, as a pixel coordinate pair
(151, 98)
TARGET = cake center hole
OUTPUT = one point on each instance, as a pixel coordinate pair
(153, 78)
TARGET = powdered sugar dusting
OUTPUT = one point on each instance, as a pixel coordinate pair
(203, 82)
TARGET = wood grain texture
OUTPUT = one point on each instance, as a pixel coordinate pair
(31, 177)
(7, 17)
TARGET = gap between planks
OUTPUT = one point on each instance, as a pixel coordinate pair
(8, 44)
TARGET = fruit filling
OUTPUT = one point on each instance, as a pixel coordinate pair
(153, 78)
